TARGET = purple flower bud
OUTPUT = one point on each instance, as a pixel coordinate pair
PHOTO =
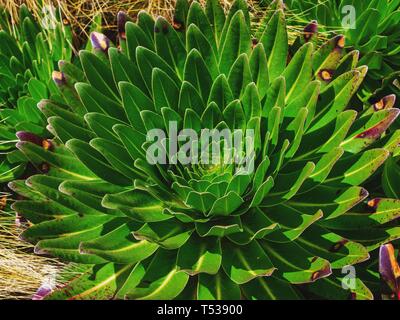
(310, 30)
(121, 21)
(61, 64)
(99, 41)
(389, 268)
(19, 220)
(385, 103)
(59, 78)
(33, 138)
(29, 137)
(326, 74)
(340, 42)
(42, 292)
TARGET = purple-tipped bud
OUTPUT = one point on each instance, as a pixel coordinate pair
(326, 74)
(29, 137)
(178, 25)
(99, 41)
(310, 30)
(42, 104)
(389, 268)
(59, 78)
(61, 64)
(42, 292)
(33, 138)
(121, 21)
(340, 42)
(376, 131)
(254, 42)
(19, 220)
(385, 103)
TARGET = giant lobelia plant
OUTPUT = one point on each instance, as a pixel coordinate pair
(284, 230)
(369, 26)
(371, 32)
(29, 53)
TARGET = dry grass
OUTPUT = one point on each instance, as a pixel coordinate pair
(80, 13)
(21, 271)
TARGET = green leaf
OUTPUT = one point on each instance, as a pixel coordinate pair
(331, 288)
(259, 69)
(189, 98)
(96, 162)
(237, 41)
(336, 96)
(240, 76)
(292, 223)
(367, 20)
(117, 156)
(332, 201)
(339, 251)
(220, 229)
(226, 204)
(234, 115)
(198, 18)
(99, 74)
(146, 22)
(262, 191)
(269, 288)
(147, 60)
(244, 263)
(382, 211)
(217, 287)
(124, 69)
(216, 17)
(221, 92)
(359, 170)
(101, 282)
(165, 92)
(132, 140)
(197, 40)
(201, 201)
(169, 45)
(287, 185)
(136, 36)
(169, 234)
(370, 131)
(295, 264)
(275, 42)
(162, 280)
(200, 256)
(298, 73)
(197, 73)
(37, 89)
(391, 178)
(95, 101)
(119, 246)
(62, 163)
(137, 204)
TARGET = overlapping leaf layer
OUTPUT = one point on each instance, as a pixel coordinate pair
(370, 27)
(29, 52)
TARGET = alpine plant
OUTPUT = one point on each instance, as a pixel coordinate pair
(29, 53)
(371, 27)
(282, 228)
